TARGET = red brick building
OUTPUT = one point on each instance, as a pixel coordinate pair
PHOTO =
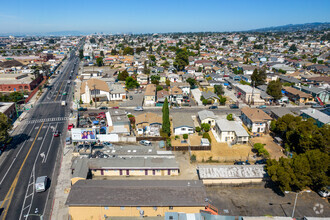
(18, 82)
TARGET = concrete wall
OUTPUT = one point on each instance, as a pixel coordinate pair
(108, 137)
(92, 213)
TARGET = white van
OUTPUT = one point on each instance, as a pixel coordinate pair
(63, 103)
(41, 183)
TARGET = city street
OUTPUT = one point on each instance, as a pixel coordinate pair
(35, 152)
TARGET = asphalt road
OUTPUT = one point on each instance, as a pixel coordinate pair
(34, 152)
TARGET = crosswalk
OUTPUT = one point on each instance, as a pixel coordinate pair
(57, 119)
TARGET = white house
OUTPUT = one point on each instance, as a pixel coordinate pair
(182, 124)
(231, 132)
(207, 117)
(255, 119)
(117, 92)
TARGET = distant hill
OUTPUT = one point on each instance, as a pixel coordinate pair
(56, 33)
(295, 27)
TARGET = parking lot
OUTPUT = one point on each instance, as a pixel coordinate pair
(136, 101)
(258, 200)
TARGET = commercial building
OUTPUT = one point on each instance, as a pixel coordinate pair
(97, 199)
(18, 82)
(231, 174)
(9, 109)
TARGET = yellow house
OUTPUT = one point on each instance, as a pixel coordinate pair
(99, 199)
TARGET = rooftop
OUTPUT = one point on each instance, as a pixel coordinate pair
(225, 125)
(255, 115)
(182, 119)
(137, 193)
(231, 171)
(316, 114)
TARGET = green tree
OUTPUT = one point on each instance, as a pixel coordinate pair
(206, 127)
(114, 52)
(258, 77)
(159, 88)
(5, 126)
(274, 89)
(206, 135)
(192, 82)
(155, 79)
(166, 126)
(131, 83)
(168, 82)
(99, 61)
(181, 59)
(152, 58)
(218, 89)
(230, 117)
(166, 64)
(128, 51)
(102, 53)
(92, 40)
(222, 100)
(81, 54)
(123, 75)
(293, 48)
(185, 136)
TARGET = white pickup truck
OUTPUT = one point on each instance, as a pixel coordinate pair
(63, 103)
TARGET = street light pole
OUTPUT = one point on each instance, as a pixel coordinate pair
(295, 201)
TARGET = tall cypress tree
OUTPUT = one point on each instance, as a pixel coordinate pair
(166, 119)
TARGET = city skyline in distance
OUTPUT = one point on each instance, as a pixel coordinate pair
(147, 16)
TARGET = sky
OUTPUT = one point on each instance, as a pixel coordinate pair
(155, 16)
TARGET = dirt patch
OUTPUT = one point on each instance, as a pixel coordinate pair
(222, 152)
(275, 150)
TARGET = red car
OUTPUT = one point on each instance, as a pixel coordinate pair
(100, 116)
(102, 113)
(56, 134)
(70, 126)
(116, 107)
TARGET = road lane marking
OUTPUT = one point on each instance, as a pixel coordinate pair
(15, 157)
(10, 193)
(50, 145)
(32, 176)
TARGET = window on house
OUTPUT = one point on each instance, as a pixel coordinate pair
(183, 129)
(122, 208)
(106, 208)
(155, 208)
(95, 92)
(171, 208)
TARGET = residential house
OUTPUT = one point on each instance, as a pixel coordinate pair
(134, 198)
(320, 117)
(94, 90)
(142, 79)
(210, 96)
(284, 67)
(231, 132)
(150, 95)
(291, 80)
(255, 119)
(248, 69)
(199, 76)
(296, 95)
(206, 117)
(161, 95)
(184, 86)
(148, 124)
(249, 94)
(173, 77)
(320, 94)
(190, 69)
(182, 124)
(176, 95)
(277, 113)
(117, 92)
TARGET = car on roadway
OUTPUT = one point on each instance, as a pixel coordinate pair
(115, 107)
(103, 108)
(233, 106)
(56, 133)
(145, 143)
(130, 97)
(108, 144)
(41, 184)
(70, 126)
(138, 108)
(213, 107)
(262, 106)
(64, 93)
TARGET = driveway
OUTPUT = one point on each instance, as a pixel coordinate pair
(136, 101)
(197, 96)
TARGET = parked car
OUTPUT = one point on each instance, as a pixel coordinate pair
(213, 107)
(262, 106)
(316, 106)
(92, 114)
(138, 108)
(68, 141)
(56, 133)
(242, 163)
(115, 107)
(82, 109)
(145, 143)
(130, 97)
(233, 106)
(103, 108)
(70, 126)
(41, 184)
(262, 161)
(325, 192)
(108, 144)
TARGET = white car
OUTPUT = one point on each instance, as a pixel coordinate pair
(324, 192)
(138, 108)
